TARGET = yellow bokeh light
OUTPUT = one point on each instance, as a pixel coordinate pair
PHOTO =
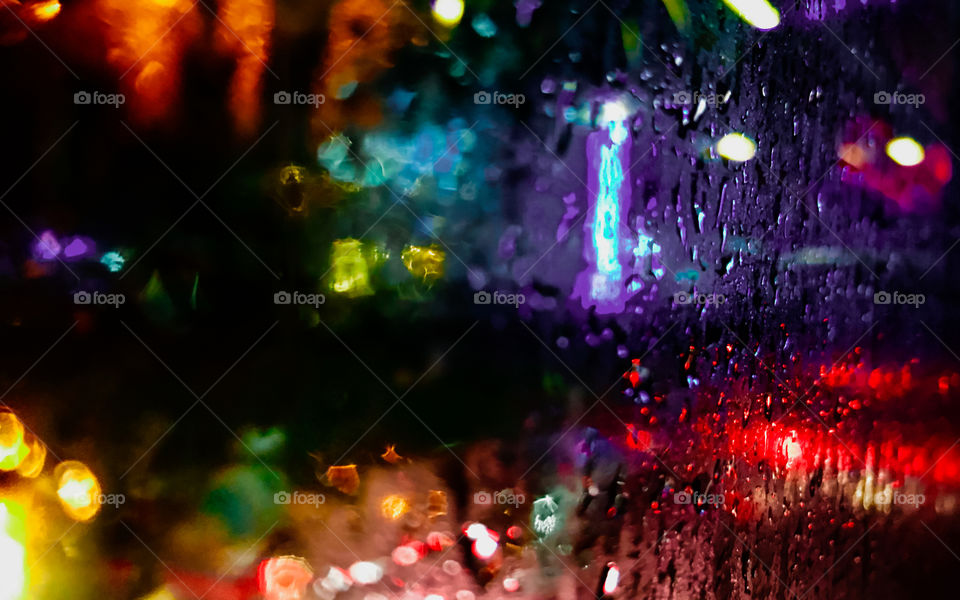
(36, 455)
(12, 449)
(394, 506)
(78, 490)
(424, 262)
(13, 533)
(162, 593)
(44, 11)
(448, 12)
(758, 13)
(736, 147)
(351, 271)
(905, 151)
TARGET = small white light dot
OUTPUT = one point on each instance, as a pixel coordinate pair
(448, 12)
(736, 147)
(905, 151)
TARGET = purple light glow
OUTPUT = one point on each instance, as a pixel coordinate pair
(46, 248)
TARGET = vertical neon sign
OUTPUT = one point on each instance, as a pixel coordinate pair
(608, 201)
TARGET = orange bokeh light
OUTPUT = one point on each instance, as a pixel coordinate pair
(78, 490)
(146, 41)
(244, 28)
(44, 11)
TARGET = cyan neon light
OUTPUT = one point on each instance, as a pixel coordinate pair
(607, 219)
(645, 245)
(601, 285)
